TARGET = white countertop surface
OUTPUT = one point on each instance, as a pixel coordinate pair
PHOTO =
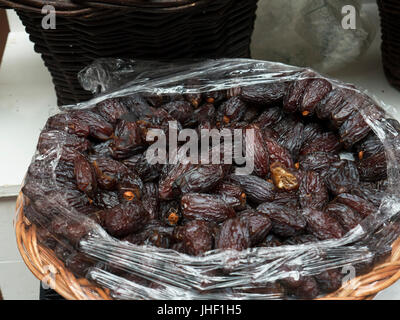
(26, 98)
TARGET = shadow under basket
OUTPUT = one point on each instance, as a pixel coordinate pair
(150, 30)
(38, 258)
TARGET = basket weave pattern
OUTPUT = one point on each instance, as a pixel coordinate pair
(37, 257)
(390, 26)
(199, 29)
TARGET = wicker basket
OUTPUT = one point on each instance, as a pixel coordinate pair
(390, 25)
(37, 257)
(154, 29)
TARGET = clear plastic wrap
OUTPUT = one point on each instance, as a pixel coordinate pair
(78, 181)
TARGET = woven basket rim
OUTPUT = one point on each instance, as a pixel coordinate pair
(37, 257)
(78, 7)
(142, 3)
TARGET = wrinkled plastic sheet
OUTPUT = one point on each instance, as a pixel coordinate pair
(180, 276)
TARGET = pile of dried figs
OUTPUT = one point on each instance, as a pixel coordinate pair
(319, 170)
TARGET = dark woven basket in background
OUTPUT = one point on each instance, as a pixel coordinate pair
(151, 29)
(390, 24)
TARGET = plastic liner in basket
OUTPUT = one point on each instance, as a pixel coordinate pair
(320, 205)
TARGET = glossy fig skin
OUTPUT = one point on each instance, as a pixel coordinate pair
(290, 135)
(150, 200)
(108, 172)
(322, 225)
(264, 94)
(83, 123)
(318, 161)
(333, 101)
(363, 207)
(206, 207)
(260, 151)
(127, 140)
(111, 110)
(232, 111)
(52, 139)
(368, 147)
(200, 179)
(167, 180)
(154, 233)
(278, 153)
(269, 117)
(294, 96)
(106, 199)
(206, 112)
(373, 168)
(312, 130)
(355, 128)
(85, 176)
(98, 127)
(324, 142)
(125, 219)
(234, 235)
(289, 199)
(72, 230)
(257, 189)
(370, 193)
(179, 110)
(371, 159)
(259, 225)
(139, 164)
(113, 175)
(313, 192)
(347, 218)
(342, 177)
(232, 194)
(315, 91)
(197, 237)
(285, 222)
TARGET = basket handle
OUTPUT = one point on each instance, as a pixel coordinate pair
(141, 3)
(63, 7)
(84, 7)
(78, 5)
